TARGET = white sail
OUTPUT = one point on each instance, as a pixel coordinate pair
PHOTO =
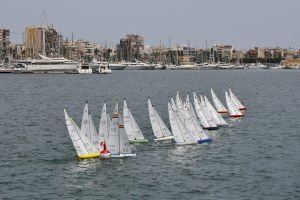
(233, 110)
(94, 134)
(212, 122)
(85, 125)
(218, 104)
(113, 138)
(104, 125)
(176, 129)
(159, 128)
(201, 133)
(88, 128)
(179, 102)
(219, 118)
(108, 122)
(80, 142)
(200, 113)
(132, 129)
(125, 147)
(179, 106)
(190, 123)
(186, 134)
(173, 105)
(236, 101)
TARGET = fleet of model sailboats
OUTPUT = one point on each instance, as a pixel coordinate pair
(189, 125)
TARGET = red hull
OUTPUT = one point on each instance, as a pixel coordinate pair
(236, 116)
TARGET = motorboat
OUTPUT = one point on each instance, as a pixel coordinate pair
(104, 69)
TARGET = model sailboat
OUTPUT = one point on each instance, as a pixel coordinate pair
(104, 128)
(118, 143)
(190, 114)
(88, 127)
(160, 130)
(236, 101)
(84, 148)
(181, 134)
(232, 108)
(211, 120)
(201, 116)
(218, 104)
(215, 114)
(132, 129)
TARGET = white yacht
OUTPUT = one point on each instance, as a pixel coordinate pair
(187, 66)
(171, 67)
(113, 66)
(104, 69)
(137, 65)
(207, 66)
(46, 64)
(158, 66)
(257, 66)
(84, 69)
(222, 65)
(117, 66)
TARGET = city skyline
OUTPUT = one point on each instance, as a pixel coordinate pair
(242, 24)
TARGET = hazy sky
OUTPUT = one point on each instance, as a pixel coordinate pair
(243, 23)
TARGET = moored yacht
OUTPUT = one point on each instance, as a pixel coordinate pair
(225, 66)
(113, 66)
(257, 66)
(46, 64)
(104, 69)
(187, 66)
(138, 65)
(84, 69)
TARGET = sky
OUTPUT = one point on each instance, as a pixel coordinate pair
(242, 23)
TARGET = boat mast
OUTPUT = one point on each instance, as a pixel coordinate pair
(44, 45)
(119, 129)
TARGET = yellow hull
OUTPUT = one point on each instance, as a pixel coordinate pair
(87, 156)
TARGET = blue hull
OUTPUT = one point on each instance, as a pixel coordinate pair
(204, 141)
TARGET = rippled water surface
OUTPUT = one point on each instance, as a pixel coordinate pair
(257, 157)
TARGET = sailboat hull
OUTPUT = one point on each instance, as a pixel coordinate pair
(105, 155)
(211, 128)
(123, 155)
(186, 143)
(204, 141)
(138, 141)
(164, 138)
(87, 156)
(236, 116)
(222, 112)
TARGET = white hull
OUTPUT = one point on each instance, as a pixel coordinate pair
(137, 67)
(53, 67)
(85, 71)
(123, 155)
(116, 66)
(105, 72)
(186, 143)
(164, 138)
(105, 155)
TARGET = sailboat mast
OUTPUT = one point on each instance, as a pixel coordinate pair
(119, 130)
(44, 45)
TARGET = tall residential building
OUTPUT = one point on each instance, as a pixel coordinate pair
(42, 40)
(223, 53)
(131, 47)
(255, 53)
(4, 42)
